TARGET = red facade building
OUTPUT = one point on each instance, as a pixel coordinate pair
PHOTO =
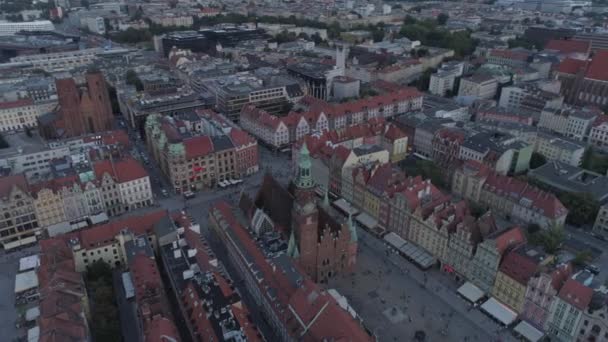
(81, 110)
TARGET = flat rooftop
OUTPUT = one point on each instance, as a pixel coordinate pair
(20, 143)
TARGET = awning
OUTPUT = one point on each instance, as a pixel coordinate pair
(343, 205)
(471, 292)
(394, 240)
(26, 281)
(528, 331)
(366, 220)
(499, 311)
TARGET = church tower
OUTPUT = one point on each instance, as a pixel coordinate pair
(305, 217)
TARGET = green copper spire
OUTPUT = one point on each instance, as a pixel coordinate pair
(304, 178)
(326, 199)
(352, 229)
(292, 247)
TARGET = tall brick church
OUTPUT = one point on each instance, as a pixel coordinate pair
(82, 109)
(320, 238)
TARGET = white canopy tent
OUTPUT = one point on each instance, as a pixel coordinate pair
(470, 292)
(528, 331)
(499, 311)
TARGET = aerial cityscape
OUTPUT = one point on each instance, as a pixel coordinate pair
(303, 170)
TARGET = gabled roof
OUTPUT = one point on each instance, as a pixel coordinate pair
(123, 170)
(509, 238)
(576, 294)
(518, 267)
(7, 183)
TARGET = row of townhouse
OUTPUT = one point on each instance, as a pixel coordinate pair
(109, 186)
(521, 279)
(198, 150)
(314, 115)
(507, 196)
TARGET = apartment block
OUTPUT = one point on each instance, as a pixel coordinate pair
(314, 115)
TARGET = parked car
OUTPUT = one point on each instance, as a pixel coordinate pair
(593, 269)
(188, 194)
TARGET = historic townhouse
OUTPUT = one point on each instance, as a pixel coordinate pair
(485, 263)
(516, 270)
(507, 196)
(49, 208)
(464, 241)
(18, 222)
(566, 311)
(542, 290)
(314, 115)
(126, 178)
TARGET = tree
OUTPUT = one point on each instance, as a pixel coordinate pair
(551, 239)
(582, 208)
(3, 142)
(132, 79)
(595, 162)
(28, 131)
(316, 37)
(582, 258)
(533, 228)
(537, 160)
(442, 19)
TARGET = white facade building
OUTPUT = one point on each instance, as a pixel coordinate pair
(444, 79)
(17, 115)
(10, 28)
(555, 148)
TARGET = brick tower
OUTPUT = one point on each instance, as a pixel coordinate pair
(305, 216)
(95, 104)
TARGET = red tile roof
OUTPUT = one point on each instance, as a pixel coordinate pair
(515, 189)
(161, 329)
(576, 294)
(518, 267)
(598, 69)
(572, 66)
(16, 104)
(198, 147)
(7, 183)
(568, 46)
(104, 234)
(559, 275)
(122, 170)
(116, 137)
(62, 291)
(145, 276)
(392, 132)
(307, 299)
(509, 238)
(240, 137)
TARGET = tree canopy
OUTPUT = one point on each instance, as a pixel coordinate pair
(430, 33)
(582, 207)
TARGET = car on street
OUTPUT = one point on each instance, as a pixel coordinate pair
(593, 269)
(188, 194)
(164, 192)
